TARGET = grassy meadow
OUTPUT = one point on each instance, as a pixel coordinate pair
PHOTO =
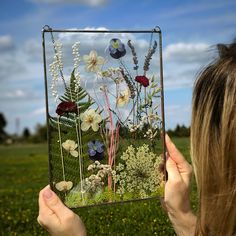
(24, 172)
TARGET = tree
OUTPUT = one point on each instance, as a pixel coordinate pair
(26, 133)
(40, 134)
(180, 131)
(3, 124)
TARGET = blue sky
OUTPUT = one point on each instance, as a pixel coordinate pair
(189, 28)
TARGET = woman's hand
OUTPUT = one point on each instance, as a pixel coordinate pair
(56, 218)
(176, 199)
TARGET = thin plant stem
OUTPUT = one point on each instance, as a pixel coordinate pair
(80, 161)
(145, 100)
(127, 71)
(61, 151)
(116, 147)
(79, 148)
(111, 138)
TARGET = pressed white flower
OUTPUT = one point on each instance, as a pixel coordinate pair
(93, 61)
(70, 146)
(140, 172)
(90, 167)
(97, 163)
(90, 119)
(64, 186)
(123, 99)
(133, 128)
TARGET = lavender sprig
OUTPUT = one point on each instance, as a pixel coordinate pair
(129, 83)
(135, 58)
(149, 57)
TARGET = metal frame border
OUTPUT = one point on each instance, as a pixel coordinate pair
(47, 29)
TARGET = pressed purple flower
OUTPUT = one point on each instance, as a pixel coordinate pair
(116, 48)
(66, 107)
(96, 150)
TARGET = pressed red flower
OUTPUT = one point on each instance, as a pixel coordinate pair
(142, 79)
(66, 107)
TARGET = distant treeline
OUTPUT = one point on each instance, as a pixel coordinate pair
(179, 131)
(40, 134)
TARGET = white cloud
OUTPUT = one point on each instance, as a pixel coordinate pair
(174, 109)
(187, 52)
(92, 3)
(182, 62)
(38, 112)
(177, 114)
(189, 8)
(16, 94)
(180, 77)
(6, 43)
(33, 49)
(11, 65)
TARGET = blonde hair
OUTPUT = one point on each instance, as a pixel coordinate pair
(213, 144)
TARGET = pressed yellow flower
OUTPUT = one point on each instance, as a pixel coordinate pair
(70, 146)
(90, 119)
(93, 61)
(123, 99)
(64, 186)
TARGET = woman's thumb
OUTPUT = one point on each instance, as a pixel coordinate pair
(54, 203)
(172, 170)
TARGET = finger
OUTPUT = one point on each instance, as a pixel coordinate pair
(54, 203)
(46, 215)
(173, 151)
(43, 208)
(172, 170)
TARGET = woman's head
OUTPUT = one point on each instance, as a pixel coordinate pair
(213, 143)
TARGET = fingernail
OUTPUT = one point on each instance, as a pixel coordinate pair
(47, 194)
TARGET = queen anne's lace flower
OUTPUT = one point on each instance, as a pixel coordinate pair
(90, 119)
(139, 172)
(70, 146)
(93, 61)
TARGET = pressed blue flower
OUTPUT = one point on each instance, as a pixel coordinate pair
(96, 150)
(116, 48)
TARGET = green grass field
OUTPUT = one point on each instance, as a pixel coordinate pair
(24, 172)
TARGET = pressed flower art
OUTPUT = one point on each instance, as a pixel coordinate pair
(105, 115)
